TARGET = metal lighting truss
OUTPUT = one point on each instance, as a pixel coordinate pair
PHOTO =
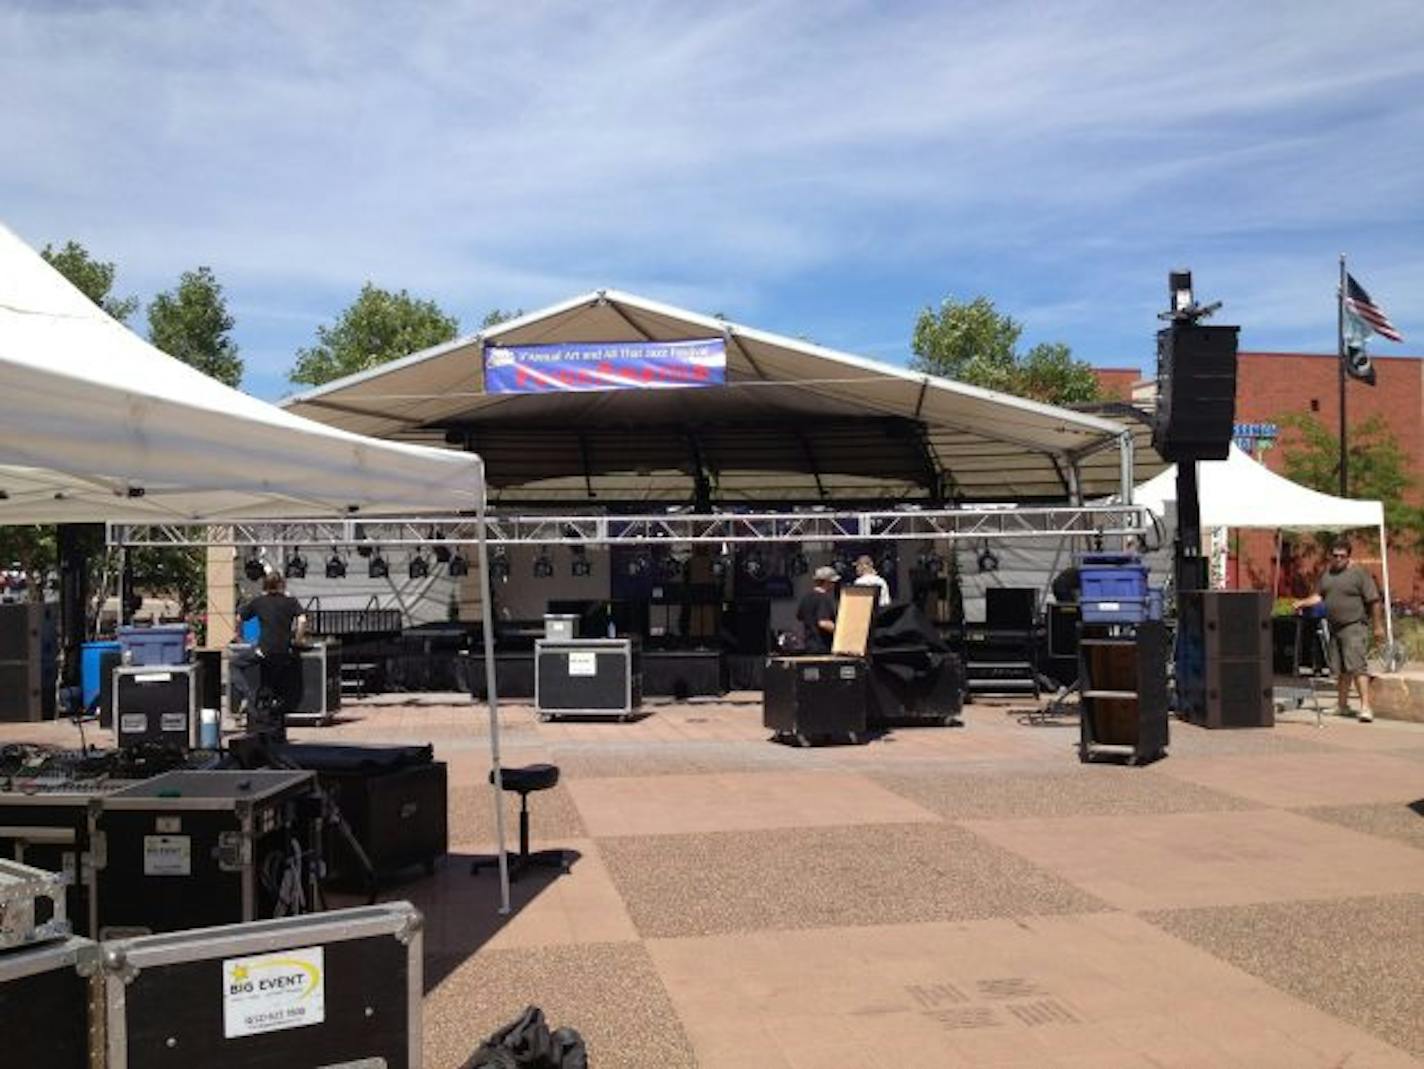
(979, 523)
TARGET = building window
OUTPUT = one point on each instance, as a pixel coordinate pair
(1315, 404)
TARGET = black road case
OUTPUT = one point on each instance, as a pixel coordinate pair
(808, 698)
(587, 677)
(156, 704)
(48, 1015)
(320, 699)
(192, 849)
(340, 989)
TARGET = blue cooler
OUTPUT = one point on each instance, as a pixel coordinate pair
(1113, 589)
(159, 644)
(91, 669)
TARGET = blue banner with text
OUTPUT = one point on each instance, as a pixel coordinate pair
(579, 366)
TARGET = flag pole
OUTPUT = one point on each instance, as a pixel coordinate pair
(1340, 367)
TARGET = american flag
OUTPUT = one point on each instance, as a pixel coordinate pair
(1358, 304)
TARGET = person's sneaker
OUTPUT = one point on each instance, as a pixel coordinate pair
(1344, 710)
(1366, 716)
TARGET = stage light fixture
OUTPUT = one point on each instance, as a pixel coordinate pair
(376, 567)
(441, 551)
(499, 565)
(888, 564)
(798, 564)
(581, 567)
(719, 567)
(254, 569)
(669, 569)
(295, 565)
(543, 566)
(988, 562)
(930, 563)
(754, 567)
(459, 566)
(359, 534)
(335, 566)
(639, 565)
(419, 566)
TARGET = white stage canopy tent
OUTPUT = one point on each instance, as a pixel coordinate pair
(1241, 492)
(96, 425)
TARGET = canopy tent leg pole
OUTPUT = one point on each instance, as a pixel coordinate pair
(1388, 606)
(1276, 568)
(487, 626)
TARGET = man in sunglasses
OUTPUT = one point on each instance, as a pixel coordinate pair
(1352, 608)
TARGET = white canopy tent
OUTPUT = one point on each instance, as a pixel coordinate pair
(1241, 492)
(97, 425)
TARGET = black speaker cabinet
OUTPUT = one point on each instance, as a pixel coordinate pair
(1196, 392)
(27, 661)
(1224, 658)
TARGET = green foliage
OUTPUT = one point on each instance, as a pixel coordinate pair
(972, 342)
(1379, 469)
(378, 326)
(94, 278)
(495, 316)
(193, 324)
(31, 550)
(179, 573)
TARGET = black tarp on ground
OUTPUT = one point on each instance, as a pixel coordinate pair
(914, 677)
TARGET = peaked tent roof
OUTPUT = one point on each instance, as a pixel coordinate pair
(991, 445)
(1241, 492)
(96, 425)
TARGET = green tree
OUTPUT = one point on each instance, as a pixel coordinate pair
(972, 342)
(1379, 468)
(180, 573)
(377, 327)
(192, 323)
(495, 316)
(29, 551)
(93, 278)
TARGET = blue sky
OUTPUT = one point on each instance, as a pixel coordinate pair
(820, 169)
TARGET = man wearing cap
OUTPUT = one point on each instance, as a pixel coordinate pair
(817, 611)
(1352, 608)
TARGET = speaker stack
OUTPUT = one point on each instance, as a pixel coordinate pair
(1196, 392)
(1226, 670)
(27, 661)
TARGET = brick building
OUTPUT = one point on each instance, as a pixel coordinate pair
(1272, 385)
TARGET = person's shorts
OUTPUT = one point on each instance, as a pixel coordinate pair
(1346, 649)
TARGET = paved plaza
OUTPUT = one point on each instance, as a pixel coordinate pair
(968, 896)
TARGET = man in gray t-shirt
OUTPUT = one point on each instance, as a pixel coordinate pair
(1352, 609)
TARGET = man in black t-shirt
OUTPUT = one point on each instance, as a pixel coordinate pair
(282, 626)
(817, 611)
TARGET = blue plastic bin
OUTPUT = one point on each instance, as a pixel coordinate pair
(91, 669)
(1113, 589)
(160, 644)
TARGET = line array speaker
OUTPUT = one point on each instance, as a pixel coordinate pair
(1196, 392)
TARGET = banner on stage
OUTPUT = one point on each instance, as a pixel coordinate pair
(571, 367)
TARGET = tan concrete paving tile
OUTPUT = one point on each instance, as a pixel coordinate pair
(1393, 820)
(669, 805)
(810, 877)
(609, 992)
(1026, 991)
(1346, 732)
(552, 815)
(1304, 779)
(1078, 790)
(547, 907)
(1361, 959)
(1208, 859)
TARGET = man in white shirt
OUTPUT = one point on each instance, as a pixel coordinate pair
(866, 575)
